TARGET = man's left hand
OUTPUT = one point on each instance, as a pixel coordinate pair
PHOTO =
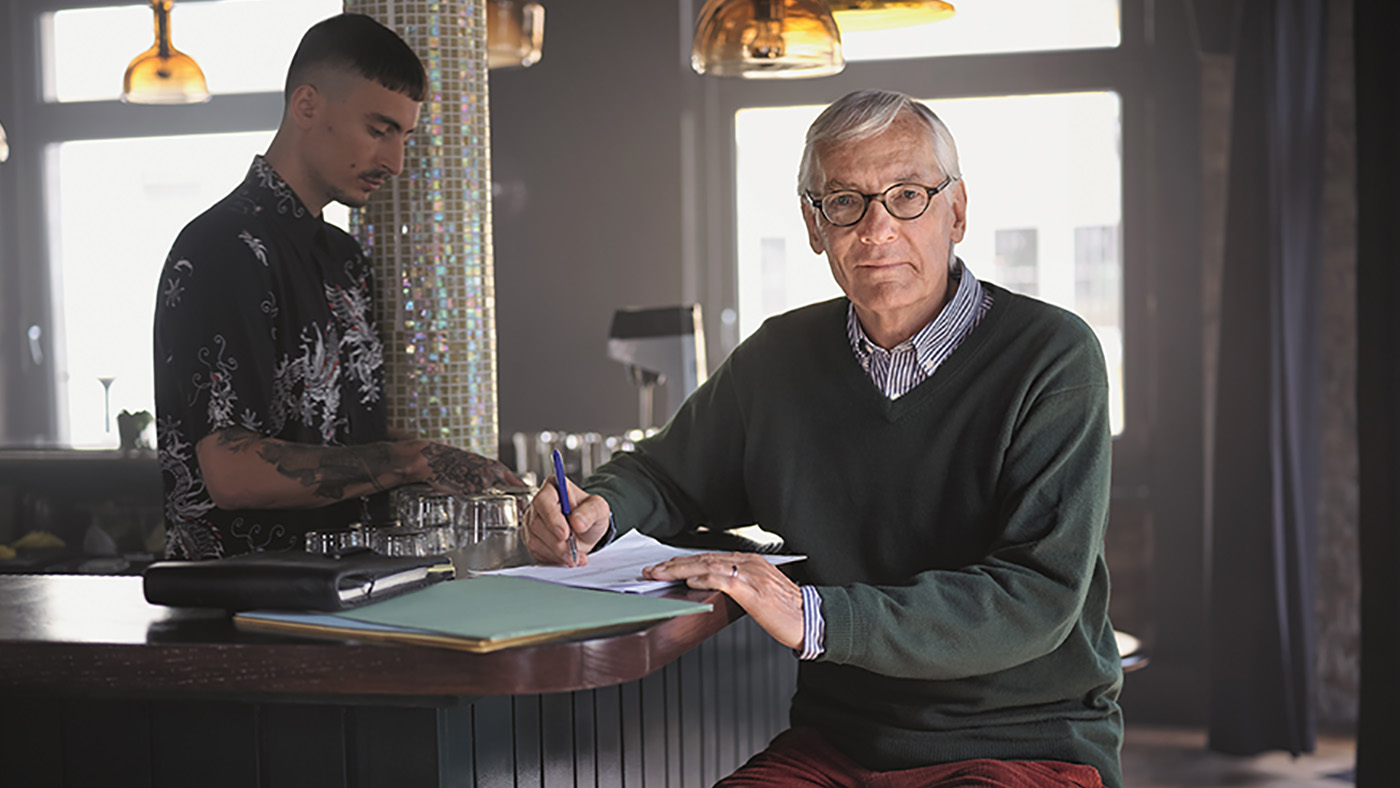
(461, 472)
(764, 592)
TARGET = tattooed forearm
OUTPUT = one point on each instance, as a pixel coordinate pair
(464, 471)
(369, 471)
(237, 439)
(330, 472)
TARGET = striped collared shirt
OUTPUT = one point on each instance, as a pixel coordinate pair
(895, 372)
(899, 369)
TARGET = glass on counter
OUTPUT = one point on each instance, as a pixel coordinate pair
(488, 530)
(404, 541)
(333, 541)
(433, 512)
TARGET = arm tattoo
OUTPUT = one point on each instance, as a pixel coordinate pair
(331, 470)
(463, 470)
(237, 439)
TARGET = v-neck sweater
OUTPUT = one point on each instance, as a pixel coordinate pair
(955, 534)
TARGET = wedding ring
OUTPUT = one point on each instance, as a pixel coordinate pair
(735, 572)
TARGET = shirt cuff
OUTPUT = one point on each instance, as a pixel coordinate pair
(813, 625)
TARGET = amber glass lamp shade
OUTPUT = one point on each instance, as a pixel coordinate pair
(514, 33)
(766, 39)
(862, 15)
(163, 74)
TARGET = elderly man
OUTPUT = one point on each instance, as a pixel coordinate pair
(939, 449)
(269, 370)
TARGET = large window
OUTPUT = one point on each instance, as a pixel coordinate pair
(1063, 123)
(114, 204)
(1044, 184)
(120, 203)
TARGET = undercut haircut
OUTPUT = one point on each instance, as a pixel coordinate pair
(358, 44)
(864, 114)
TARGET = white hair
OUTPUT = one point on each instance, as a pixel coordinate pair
(864, 114)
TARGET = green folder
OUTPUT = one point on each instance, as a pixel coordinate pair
(479, 614)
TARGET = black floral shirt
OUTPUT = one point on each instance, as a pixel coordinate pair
(264, 321)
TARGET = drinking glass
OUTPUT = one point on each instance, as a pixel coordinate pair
(432, 512)
(402, 541)
(406, 503)
(437, 516)
(488, 530)
(333, 541)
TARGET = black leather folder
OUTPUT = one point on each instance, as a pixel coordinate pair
(290, 580)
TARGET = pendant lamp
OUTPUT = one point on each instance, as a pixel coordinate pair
(4, 146)
(163, 74)
(766, 39)
(862, 15)
(514, 33)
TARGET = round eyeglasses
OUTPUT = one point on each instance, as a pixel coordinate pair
(903, 201)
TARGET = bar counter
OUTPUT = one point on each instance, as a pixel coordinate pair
(101, 688)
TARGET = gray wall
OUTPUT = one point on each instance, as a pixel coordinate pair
(586, 151)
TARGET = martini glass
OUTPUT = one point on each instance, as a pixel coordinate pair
(107, 400)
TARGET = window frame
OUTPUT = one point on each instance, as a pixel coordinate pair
(29, 407)
(1158, 489)
(1157, 511)
(710, 274)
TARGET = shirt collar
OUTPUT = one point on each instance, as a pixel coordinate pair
(274, 195)
(947, 327)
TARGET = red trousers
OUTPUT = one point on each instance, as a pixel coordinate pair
(801, 758)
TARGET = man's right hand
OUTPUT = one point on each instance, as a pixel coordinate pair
(547, 530)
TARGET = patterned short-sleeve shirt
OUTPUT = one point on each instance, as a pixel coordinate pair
(264, 321)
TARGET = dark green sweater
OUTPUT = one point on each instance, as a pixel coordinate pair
(955, 534)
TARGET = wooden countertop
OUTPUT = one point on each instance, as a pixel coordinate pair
(85, 635)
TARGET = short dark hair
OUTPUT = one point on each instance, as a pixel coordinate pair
(355, 42)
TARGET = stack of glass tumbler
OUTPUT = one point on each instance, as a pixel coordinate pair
(481, 531)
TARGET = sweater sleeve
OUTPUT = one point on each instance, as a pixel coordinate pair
(1026, 596)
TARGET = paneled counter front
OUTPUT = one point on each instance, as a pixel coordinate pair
(100, 688)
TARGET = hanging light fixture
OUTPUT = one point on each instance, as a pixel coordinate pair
(163, 74)
(862, 15)
(4, 145)
(766, 39)
(514, 33)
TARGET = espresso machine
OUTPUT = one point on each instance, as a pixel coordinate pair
(660, 345)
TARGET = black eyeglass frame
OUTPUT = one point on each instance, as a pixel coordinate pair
(817, 202)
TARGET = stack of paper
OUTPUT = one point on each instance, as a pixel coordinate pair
(618, 567)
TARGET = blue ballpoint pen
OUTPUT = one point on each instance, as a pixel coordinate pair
(564, 502)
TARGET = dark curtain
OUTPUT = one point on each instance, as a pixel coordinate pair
(1263, 543)
(1378, 383)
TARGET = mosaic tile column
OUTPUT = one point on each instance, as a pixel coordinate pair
(428, 233)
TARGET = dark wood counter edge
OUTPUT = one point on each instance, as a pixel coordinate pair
(275, 667)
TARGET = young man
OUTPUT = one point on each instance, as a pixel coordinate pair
(269, 371)
(939, 449)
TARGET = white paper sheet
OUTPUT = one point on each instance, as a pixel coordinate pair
(618, 567)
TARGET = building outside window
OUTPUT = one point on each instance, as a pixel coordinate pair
(1014, 261)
